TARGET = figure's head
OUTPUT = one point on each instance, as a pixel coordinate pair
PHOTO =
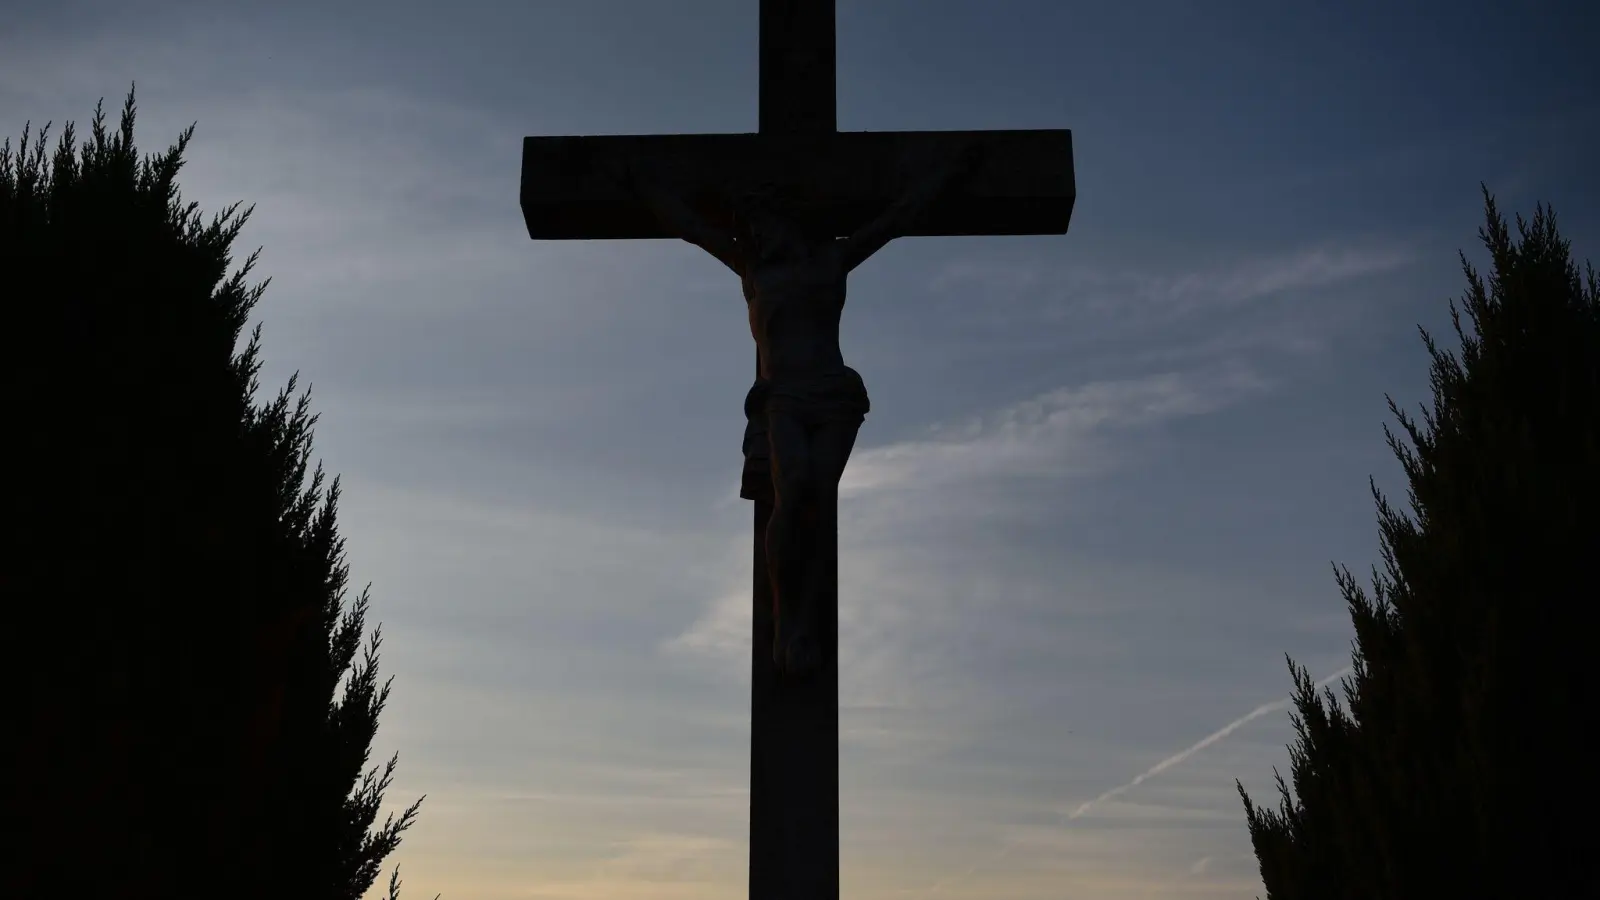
(760, 217)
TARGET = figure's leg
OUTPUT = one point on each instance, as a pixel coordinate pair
(830, 446)
(791, 477)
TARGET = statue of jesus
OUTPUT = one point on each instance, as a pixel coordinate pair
(812, 404)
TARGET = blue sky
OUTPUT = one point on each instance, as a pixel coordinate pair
(1102, 483)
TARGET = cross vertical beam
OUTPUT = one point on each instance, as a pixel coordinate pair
(799, 91)
(794, 726)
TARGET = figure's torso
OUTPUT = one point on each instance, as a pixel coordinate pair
(795, 305)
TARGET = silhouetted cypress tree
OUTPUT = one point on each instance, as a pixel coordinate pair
(1463, 766)
(189, 709)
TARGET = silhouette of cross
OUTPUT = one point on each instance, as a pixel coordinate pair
(834, 180)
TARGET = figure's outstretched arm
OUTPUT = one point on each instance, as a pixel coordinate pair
(677, 216)
(904, 214)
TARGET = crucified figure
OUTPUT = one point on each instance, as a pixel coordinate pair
(811, 402)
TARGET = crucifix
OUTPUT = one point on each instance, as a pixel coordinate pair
(791, 209)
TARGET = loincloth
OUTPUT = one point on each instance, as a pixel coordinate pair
(832, 396)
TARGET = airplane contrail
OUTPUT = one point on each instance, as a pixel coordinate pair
(1142, 777)
(1196, 747)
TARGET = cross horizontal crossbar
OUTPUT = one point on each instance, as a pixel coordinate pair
(839, 181)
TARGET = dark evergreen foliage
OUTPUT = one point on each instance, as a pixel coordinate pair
(189, 708)
(1462, 762)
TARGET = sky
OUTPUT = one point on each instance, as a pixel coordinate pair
(1105, 476)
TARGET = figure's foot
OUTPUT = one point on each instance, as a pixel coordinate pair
(802, 657)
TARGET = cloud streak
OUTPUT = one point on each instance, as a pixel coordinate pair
(1055, 434)
(1068, 432)
(1176, 759)
(1142, 298)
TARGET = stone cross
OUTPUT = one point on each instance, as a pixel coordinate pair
(833, 182)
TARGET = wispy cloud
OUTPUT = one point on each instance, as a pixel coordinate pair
(1146, 296)
(665, 857)
(911, 616)
(1060, 433)
(721, 634)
